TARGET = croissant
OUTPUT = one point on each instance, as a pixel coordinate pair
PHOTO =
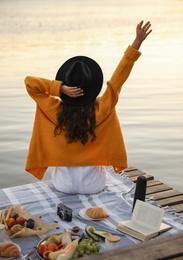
(9, 249)
(96, 213)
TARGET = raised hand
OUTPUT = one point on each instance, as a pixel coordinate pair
(142, 31)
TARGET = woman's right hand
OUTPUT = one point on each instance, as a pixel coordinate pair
(72, 92)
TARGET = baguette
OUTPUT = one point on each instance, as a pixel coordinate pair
(8, 213)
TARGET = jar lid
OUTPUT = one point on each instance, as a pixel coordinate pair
(113, 239)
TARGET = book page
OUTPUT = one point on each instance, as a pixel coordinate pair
(147, 215)
(135, 226)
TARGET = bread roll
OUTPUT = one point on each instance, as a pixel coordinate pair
(9, 249)
(97, 212)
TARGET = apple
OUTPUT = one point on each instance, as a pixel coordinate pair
(41, 249)
(11, 222)
(20, 220)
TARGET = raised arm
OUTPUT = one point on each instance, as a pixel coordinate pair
(110, 97)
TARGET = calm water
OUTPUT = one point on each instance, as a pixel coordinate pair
(37, 36)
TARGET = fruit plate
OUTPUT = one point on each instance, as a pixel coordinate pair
(7, 258)
(82, 213)
(43, 241)
(40, 226)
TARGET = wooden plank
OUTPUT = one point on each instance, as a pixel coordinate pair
(153, 182)
(171, 201)
(177, 208)
(165, 247)
(132, 171)
(164, 194)
(179, 258)
(148, 177)
(135, 172)
(157, 188)
(129, 169)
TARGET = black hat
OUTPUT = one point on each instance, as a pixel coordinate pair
(83, 72)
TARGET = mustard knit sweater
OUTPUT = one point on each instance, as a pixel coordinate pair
(46, 149)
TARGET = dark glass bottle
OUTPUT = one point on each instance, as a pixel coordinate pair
(140, 190)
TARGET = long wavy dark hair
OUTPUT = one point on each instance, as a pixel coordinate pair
(78, 122)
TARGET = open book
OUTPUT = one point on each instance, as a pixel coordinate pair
(146, 222)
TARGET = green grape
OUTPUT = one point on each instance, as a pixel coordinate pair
(90, 248)
(95, 247)
(98, 247)
(87, 252)
(95, 244)
(81, 245)
(81, 252)
(90, 241)
(86, 247)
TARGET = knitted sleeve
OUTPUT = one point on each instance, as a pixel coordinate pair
(107, 102)
(45, 93)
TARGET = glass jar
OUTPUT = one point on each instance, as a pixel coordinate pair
(2, 227)
(112, 242)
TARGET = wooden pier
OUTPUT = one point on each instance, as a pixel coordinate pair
(166, 247)
(163, 194)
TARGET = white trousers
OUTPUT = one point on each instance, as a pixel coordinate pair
(79, 179)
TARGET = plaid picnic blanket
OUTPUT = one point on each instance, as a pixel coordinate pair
(41, 199)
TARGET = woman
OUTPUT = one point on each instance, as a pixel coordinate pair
(76, 131)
